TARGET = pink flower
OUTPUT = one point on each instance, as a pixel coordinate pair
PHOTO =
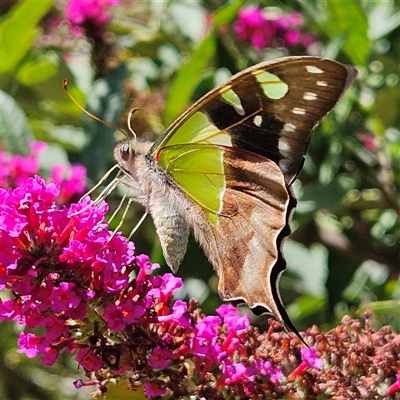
(50, 259)
(232, 319)
(292, 38)
(114, 282)
(251, 25)
(179, 315)
(143, 262)
(64, 297)
(28, 344)
(274, 373)
(118, 317)
(231, 372)
(71, 180)
(206, 329)
(211, 351)
(21, 166)
(38, 147)
(395, 387)
(161, 357)
(55, 327)
(88, 360)
(15, 170)
(164, 286)
(48, 352)
(93, 12)
(310, 359)
(153, 389)
(265, 28)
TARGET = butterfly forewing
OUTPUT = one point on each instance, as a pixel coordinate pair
(269, 109)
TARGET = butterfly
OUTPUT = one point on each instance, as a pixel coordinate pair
(225, 169)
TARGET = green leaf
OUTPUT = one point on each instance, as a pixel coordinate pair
(16, 134)
(391, 307)
(53, 155)
(44, 98)
(190, 17)
(69, 137)
(348, 20)
(226, 14)
(187, 78)
(19, 30)
(315, 258)
(190, 73)
(383, 18)
(37, 71)
(306, 306)
(386, 312)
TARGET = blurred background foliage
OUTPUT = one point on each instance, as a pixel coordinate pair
(160, 56)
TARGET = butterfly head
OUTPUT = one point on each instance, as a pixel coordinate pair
(129, 153)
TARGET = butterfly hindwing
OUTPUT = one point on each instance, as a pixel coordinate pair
(254, 213)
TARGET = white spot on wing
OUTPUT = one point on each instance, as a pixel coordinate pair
(312, 69)
(299, 111)
(310, 96)
(322, 83)
(257, 120)
(289, 127)
(284, 147)
(284, 165)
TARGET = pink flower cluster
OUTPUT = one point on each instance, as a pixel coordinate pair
(82, 287)
(271, 29)
(88, 292)
(93, 13)
(16, 169)
(55, 261)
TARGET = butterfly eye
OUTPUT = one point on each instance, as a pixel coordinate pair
(124, 151)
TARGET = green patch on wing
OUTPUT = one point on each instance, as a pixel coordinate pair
(272, 86)
(199, 171)
(196, 129)
(231, 97)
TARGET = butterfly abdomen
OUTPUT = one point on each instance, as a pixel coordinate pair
(173, 232)
(165, 204)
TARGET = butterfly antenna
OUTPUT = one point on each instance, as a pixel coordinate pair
(65, 87)
(131, 112)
